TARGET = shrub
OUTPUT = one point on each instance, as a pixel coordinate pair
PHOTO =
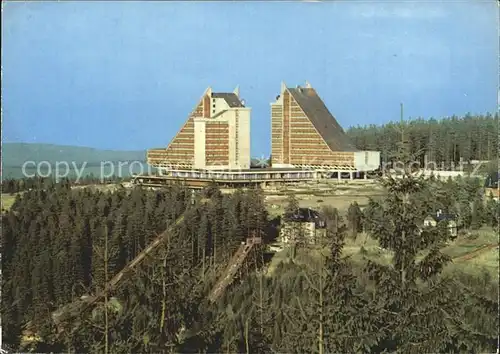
(472, 235)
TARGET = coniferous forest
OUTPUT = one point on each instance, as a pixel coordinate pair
(61, 243)
(444, 141)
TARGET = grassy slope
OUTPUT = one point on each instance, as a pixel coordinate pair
(7, 201)
(342, 196)
(484, 260)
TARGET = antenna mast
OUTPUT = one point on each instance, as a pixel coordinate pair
(402, 126)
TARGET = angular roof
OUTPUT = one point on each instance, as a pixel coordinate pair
(231, 98)
(304, 215)
(324, 122)
(446, 217)
(439, 216)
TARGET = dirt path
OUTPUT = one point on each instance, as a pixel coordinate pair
(475, 253)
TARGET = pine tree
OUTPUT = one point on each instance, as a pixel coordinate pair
(292, 204)
(332, 218)
(354, 218)
(319, 308)
(492, 212)
(422, 316)
(443, 141)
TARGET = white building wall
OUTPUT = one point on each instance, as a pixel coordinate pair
(199, 143)
(366, 160)
(220, 105)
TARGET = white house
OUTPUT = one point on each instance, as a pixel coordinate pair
(304, 226)
(434, 219)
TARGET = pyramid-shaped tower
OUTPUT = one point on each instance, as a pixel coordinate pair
(305, 134)
(216, 135)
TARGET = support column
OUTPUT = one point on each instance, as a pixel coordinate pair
(365, 175)
(339, 175)
(351, 175)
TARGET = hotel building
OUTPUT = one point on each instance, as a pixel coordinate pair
(306, 135)
(216, 136)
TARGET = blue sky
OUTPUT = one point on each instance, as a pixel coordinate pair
(125, 75)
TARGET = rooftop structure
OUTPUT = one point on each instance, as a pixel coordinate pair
(305, 215)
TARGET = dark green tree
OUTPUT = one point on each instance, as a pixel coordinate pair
(355, 220)
(292, 204)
